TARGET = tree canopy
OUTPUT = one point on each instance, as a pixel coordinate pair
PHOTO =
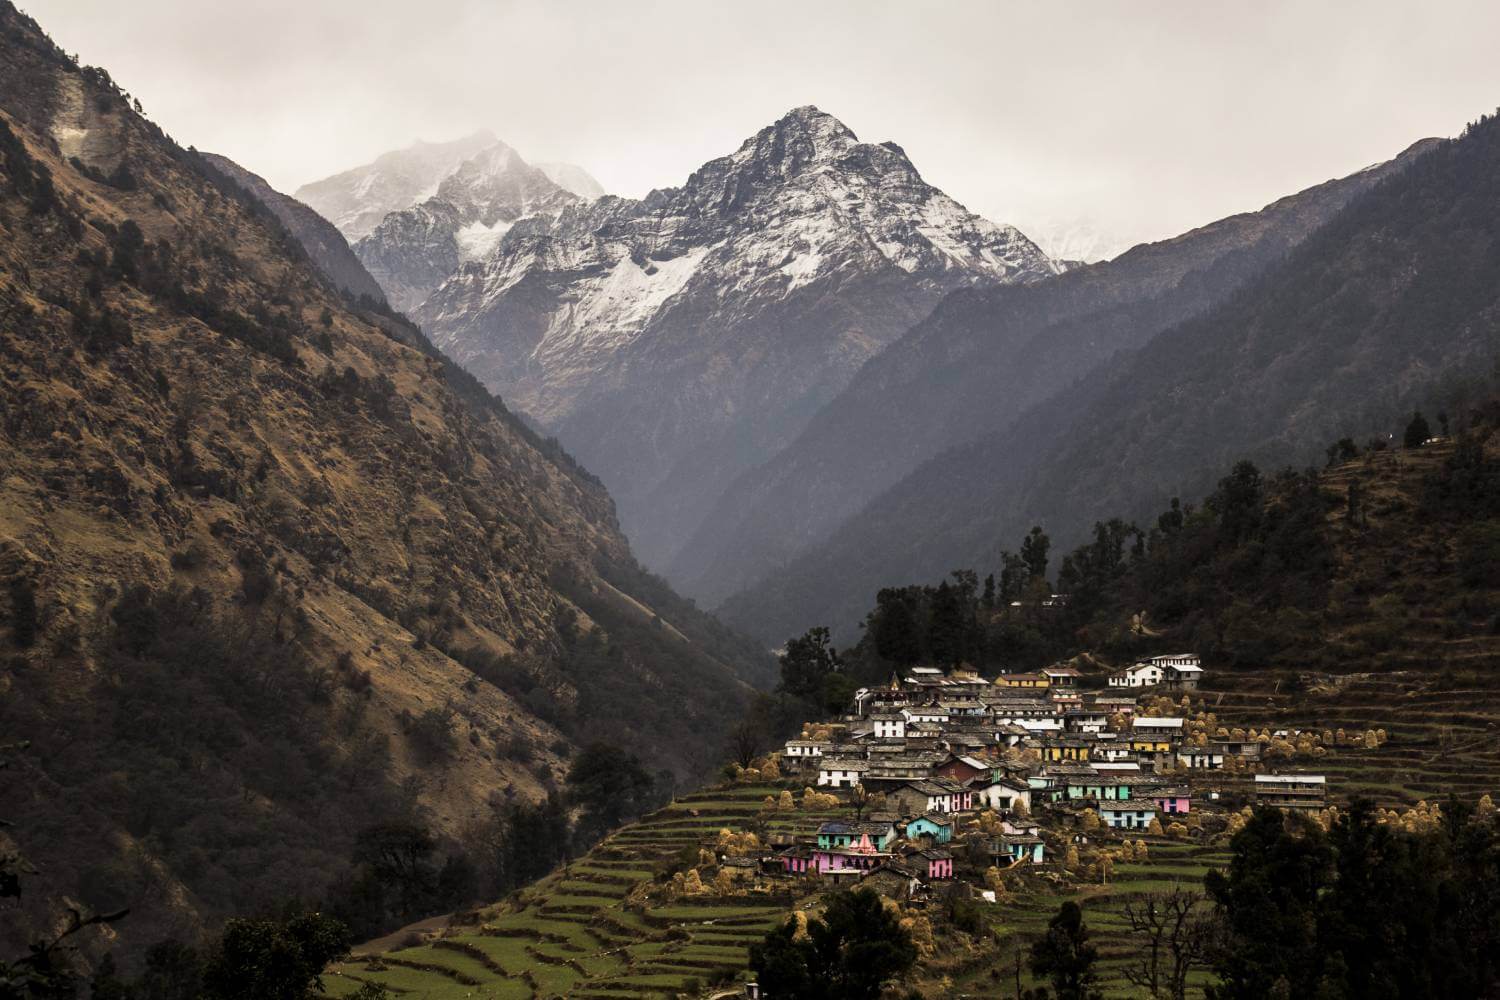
(850, 953)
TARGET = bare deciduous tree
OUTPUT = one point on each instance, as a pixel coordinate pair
(1172, 930)
(745, 741)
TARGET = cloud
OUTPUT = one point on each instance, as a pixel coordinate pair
(1144, 119)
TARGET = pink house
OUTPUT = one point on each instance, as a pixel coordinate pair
(935, 863)
(857, 858)
(1172, 801)
(797, 860)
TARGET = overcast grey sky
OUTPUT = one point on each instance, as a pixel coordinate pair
(1143, 118)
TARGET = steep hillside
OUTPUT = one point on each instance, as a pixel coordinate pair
(973, 367)
(1384, 560)
(272, 570)
(675, 341)
(322, 241)
(1364, 318)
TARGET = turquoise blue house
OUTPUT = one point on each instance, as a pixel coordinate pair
(1098, 788)
(939, 828)
(1011, 849)
(836, 834)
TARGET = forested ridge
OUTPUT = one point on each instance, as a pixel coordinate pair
(1382, 558)
(1368, 317)
(280, 586)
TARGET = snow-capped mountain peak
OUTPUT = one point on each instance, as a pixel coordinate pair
(356, 200)
(671, 340)
(467, 204)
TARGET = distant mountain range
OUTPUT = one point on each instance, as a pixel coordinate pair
(979, 362)
(1390, 300)
(678, 340)
(805, 372)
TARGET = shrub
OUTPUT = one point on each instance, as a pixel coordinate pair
(1479, 555)
(23, 608)
(431, 734)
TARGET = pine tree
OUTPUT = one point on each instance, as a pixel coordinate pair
(1417, 431)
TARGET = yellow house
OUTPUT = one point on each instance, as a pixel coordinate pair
(1066, 750)
(1021, 681)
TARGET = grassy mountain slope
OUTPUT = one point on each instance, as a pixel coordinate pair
(271, 568)
(1379, 306)
(324, 244)
(978, 362)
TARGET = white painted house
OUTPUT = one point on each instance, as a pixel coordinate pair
(925, 713)
(841, 773)
(890, 726)
(1138, 675)
(1127, 814)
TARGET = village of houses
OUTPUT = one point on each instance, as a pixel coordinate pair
(1020, 773)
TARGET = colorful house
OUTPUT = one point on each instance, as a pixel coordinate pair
(932, 863)
(962, 768)
(1011, 849)
(939, 828)
(1066, 748)
(1100, 786)
(797, 860)
(842, 859)
(1029, 681)
(1172, 801)
(859, 836)
(1127, 814)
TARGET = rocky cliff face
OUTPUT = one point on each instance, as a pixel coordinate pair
(414, 250)
(972, 368)
(677, 340)
(271, 567)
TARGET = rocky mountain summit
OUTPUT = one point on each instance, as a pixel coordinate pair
(972, 368)
(356, 200)
(415, 215)
(676, 340)
(414, 250)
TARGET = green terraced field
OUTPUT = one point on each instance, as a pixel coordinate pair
(574, 937)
